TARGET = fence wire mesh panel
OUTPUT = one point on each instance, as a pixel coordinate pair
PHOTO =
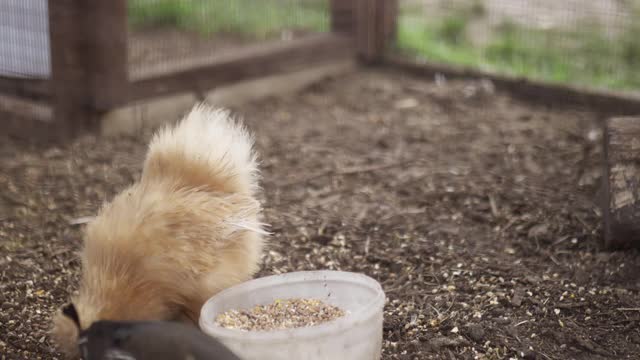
(24, 39)
(591, 43)
(172, 35)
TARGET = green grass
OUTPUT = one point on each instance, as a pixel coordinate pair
(583, 56)
(251, 18)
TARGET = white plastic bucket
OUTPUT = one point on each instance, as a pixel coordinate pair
(355, 336)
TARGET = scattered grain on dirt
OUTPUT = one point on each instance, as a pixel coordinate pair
(476, 212)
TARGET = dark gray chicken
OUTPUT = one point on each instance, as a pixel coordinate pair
(147, 340)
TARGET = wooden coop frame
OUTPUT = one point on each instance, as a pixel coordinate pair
(90, 77)
(90, 74)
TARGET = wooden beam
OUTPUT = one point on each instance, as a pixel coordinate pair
(375, 28)
(107, 58)
(26, 128)
(621, 209)
(608, 103)
(365, 32)
(88, 61)
(247, 63)
(389, 31)
(32, 89)
(25, 119)
(70, 85)
(343, 16)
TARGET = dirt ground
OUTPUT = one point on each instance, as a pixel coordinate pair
(475, 211)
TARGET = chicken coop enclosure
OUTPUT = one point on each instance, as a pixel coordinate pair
(65, 63)
(76, 60)
(482, 163)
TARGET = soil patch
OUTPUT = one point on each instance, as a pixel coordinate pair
(475, 211)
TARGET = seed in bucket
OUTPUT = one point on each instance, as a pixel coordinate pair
(281, 314)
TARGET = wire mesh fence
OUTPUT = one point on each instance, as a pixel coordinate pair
(169, 35)
(593, 43)
(24, 39)
(165, 35)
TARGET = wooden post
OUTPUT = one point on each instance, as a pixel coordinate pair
(108, 54)
(391, 12)
(88, 61)
(343, 16)
(375, 28)
(621, 208)
(69, 83)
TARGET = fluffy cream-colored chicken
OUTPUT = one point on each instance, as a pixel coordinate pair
(188, 229)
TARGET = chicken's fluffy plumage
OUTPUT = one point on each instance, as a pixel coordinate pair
(188, 229)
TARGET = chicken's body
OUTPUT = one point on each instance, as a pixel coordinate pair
(188, 229)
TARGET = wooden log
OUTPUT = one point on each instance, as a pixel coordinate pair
(621, 210)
